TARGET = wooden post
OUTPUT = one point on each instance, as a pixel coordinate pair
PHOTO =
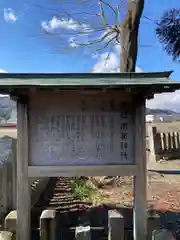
(152, 154)
(23, 191)
(173, 139)
(162, 142)
(176, 140)
(140, 180)
(167, 141)
(115, 225)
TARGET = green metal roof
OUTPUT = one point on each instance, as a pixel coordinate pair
(155, 82)
(83, 79)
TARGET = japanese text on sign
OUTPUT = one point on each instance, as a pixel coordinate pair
(81, 137)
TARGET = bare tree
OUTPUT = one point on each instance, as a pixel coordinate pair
(97, 30)
(129, 36)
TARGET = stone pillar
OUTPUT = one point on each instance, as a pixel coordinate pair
(48, 225)
(115, 225)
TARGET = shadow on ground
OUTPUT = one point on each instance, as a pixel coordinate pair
(98, 217)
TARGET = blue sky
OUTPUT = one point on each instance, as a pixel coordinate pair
(25, 47)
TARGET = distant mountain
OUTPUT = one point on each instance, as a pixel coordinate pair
(160, 111)
(8, 111)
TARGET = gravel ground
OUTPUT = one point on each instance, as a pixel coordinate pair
(163, 192)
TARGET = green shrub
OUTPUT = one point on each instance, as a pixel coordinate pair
(80, 189)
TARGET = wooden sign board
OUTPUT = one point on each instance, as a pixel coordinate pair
(82, 125)
(83, 130)
(76, 133)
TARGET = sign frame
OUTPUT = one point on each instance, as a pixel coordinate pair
(138, 170)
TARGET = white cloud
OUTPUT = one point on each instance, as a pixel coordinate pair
(72, 42)
(56, 24)
(9, 15)
(138, 69)
(108, 35)
(166, 101)
(2, 71)
(109, 62)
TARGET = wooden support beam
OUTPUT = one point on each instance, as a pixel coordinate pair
(140, 180)
(23, 188)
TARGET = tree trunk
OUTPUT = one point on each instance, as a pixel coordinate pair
(129, 48)
(129, 36)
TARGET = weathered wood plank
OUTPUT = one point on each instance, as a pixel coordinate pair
(140, 180)
(69, 171)
(23, 188)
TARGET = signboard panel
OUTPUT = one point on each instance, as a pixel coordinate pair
(80, 135)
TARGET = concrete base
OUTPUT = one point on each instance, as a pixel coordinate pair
(48, 225)
(5, 235)
(10, 221)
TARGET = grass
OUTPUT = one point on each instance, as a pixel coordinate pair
(81, 190)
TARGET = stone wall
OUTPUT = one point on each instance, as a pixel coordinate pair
(7, 175)
(8, 182)
(163, 140)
